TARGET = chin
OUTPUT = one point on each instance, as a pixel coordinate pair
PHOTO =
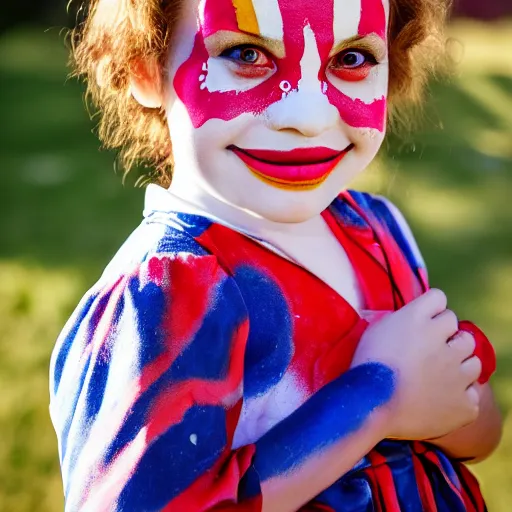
(289, 207)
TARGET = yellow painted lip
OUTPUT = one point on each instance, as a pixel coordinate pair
(289, 185)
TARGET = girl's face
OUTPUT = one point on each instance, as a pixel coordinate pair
(275, 105)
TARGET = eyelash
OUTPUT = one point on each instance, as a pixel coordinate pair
(255, 70)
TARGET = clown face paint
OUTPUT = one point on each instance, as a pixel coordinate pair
(304, 34)
(275, 105)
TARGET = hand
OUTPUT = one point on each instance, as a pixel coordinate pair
(434, 367)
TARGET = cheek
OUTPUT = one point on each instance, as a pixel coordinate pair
(360, 96)
(357, 113)
(205, 143)
(368, 143)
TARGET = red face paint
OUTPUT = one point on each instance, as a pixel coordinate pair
(203, 104)
(373, 18)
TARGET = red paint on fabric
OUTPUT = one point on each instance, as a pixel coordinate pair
(433, 457)
(386, 482)
(203, 105)
(185, 315)
(424, 486)
(217, 488)
(197, 391)
(156, 270)
(472, 493)
(182, 317)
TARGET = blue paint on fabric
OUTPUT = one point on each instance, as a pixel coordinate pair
(349, 494)
(75, 414)
(346, 214)
(404, 477)
(135, 419)
(383, 213)
(149, 305)
(194, 224)
(446, 498)
(66, 426)
(172, 463)
(448, 468)
(249, 486)
(67, 343)
(207, 355)
(175, 242)
(270, 343)
(148, 308)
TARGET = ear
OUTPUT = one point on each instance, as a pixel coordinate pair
(146, 82)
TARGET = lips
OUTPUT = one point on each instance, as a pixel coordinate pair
(303, 168)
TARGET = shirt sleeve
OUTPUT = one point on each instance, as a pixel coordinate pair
(402, 232)
(146, 391)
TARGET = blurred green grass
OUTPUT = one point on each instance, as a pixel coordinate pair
(64, 211)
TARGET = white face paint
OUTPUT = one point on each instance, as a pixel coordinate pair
(269, 18)
(278, 126)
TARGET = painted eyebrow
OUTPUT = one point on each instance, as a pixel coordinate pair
(371, 42)
(223, 39)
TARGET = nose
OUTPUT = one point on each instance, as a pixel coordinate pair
(306, 110)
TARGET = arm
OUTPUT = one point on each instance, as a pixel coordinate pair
(146, 394)
(479, 439)
(322, 440)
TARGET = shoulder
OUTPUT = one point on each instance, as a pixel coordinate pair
(160, 268)
(157, 237)
(160, 290)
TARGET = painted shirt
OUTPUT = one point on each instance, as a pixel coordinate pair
(199, 350)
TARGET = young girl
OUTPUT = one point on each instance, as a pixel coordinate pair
(265, 339)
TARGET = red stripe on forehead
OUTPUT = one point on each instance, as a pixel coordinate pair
(318, 15)
(373, 18)
(217, 15)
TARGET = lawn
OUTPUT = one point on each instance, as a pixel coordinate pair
(64, 211)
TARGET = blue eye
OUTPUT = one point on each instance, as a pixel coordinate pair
(244, 54)
(352, 65)
(351, 59)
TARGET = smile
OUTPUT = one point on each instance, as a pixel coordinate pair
(302, 168)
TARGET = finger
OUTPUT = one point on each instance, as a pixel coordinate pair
(431, 303)
(473, 398)
(463, 345)
(446, 323)
(473, 395)
(471, 368)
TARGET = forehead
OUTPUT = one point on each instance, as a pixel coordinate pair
(272, 18)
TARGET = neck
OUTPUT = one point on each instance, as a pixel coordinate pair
(205, 201)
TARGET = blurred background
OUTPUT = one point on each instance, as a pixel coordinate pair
(64, 211)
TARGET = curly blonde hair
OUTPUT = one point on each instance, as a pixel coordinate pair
(118, 33)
